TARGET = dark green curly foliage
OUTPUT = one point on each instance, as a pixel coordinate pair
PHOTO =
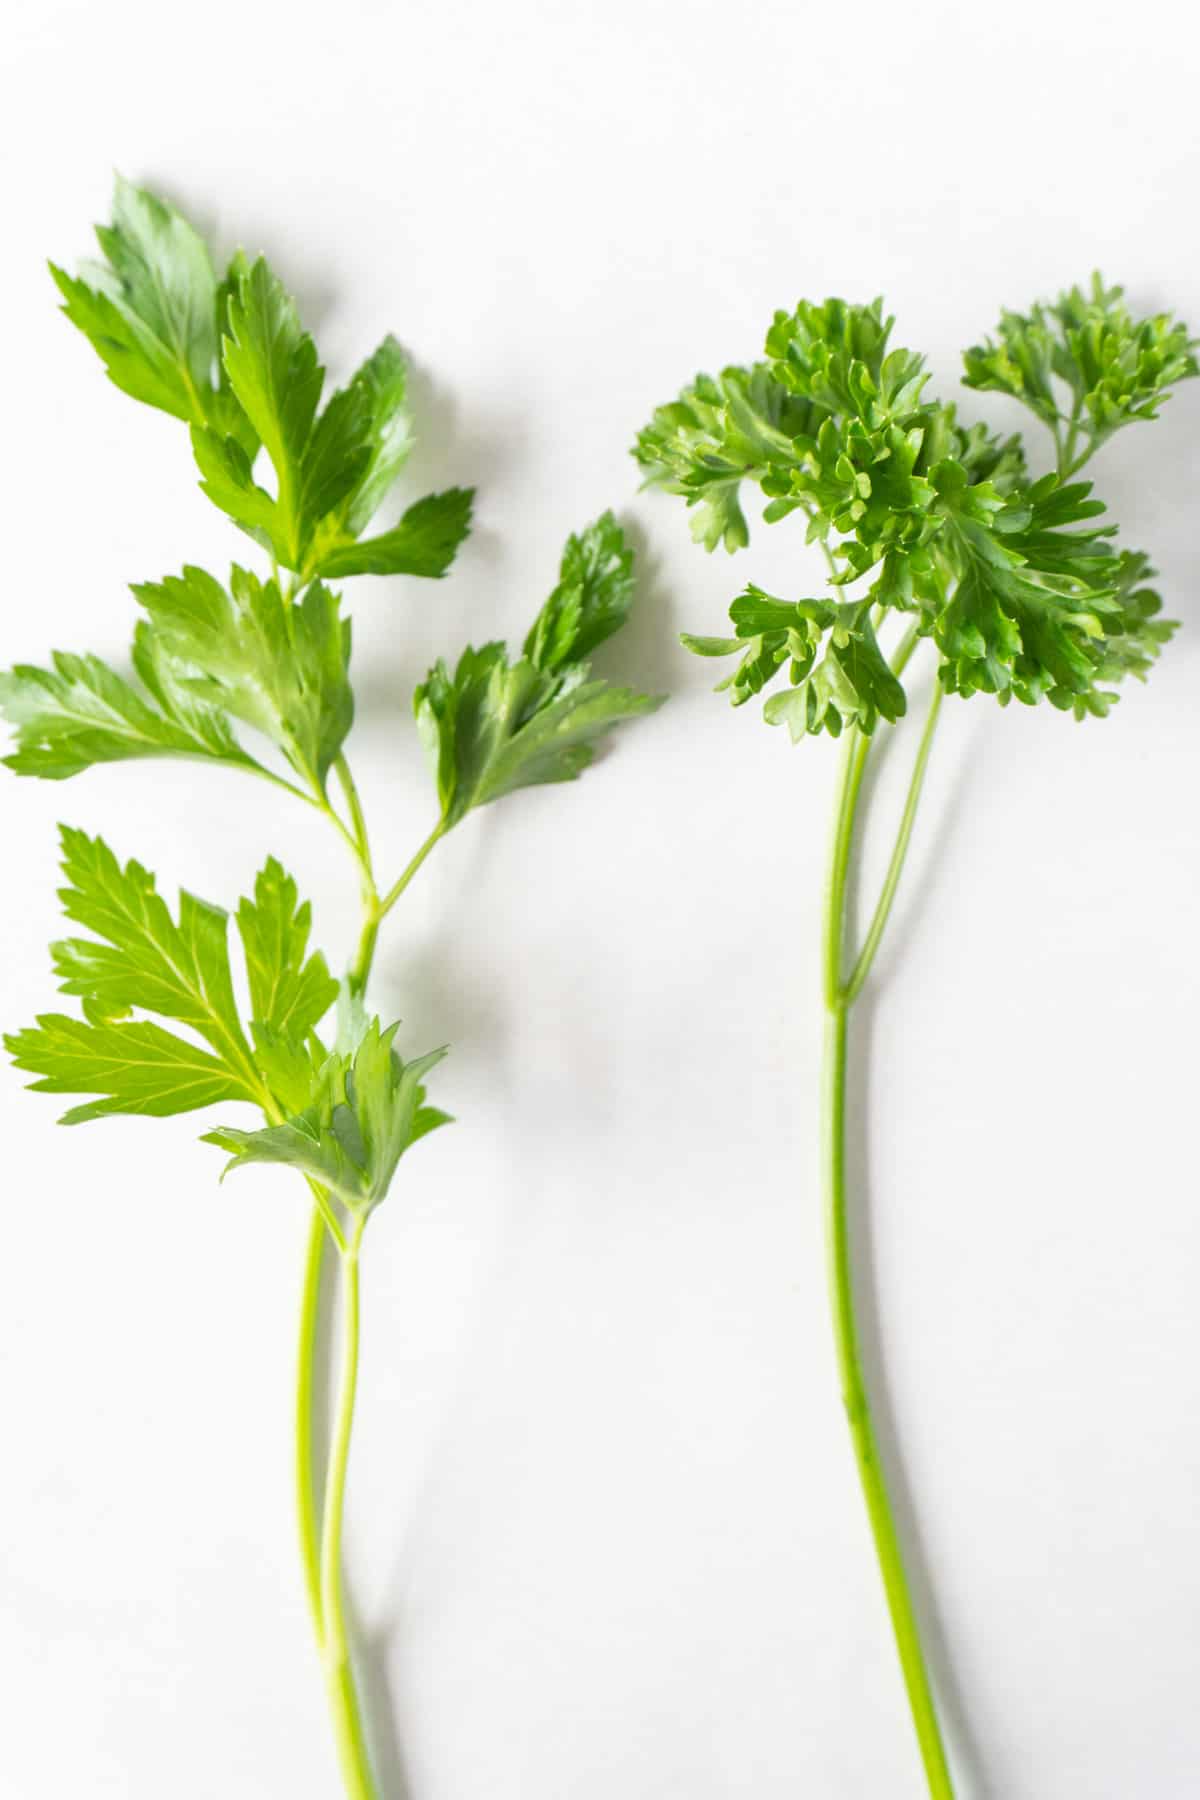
(1014, 580)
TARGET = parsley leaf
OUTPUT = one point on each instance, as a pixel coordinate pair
(333, 467)
(850, 683)
(366, 1109)
(722, 432)
(135, 1068)
(424, 542)
(138, 957)
(155, 312)
(278, 665)
(232, 359)
(150, 310)
(493, 726)
(1013, 579)
(1084, 361)
(592, 598)
(80, 712)
(289, 992)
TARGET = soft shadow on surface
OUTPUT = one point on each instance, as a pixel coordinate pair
(379, 1709)
(916, 891)
(646, 652)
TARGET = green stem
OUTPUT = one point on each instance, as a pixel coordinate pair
(306, 1499)
(891, 881)
(321, 1539)
(398, 886)
(339, 1673)
(839, 997)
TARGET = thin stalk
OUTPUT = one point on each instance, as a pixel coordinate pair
(891, 881)
(398, 886)
(858, 1413)
(321, 1536)
(306, 1499)
(839, 999)
(339, 1673)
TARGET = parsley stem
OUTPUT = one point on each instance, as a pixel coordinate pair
(839, 1000)
(339, 1673)
(891, 881)
(306, 1499)
(398, 886)
(321, 1539)
(858, 1413)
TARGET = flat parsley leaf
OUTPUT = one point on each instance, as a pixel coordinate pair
(290, 992)
(138, 957)
(493, 726)
(277, 664)
(332, 467)
(141, 959)
(80, 712)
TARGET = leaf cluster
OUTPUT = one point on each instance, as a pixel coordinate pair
(1021, 590)
(1083, 363)
(230, 357)
(493, 725)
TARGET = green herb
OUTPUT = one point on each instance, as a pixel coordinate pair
(1015, 583)
(254, 671)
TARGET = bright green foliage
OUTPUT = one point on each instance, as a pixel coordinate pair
(206, 657)
(232, 359)
(276, 664)
(366, 1109)
(1019, 587)
(591, 601)
(80, 712)
(290, 992)
(851, 682)
(717, 435)
(153, 311)
(423, 542)
(332, 467)
(135, 1067)
(1084, 362)
(494, 726)
(139, 958)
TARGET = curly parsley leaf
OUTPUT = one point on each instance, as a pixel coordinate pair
(1014, 580)
(80, 712)
(493, 726)
(837, 673)
(721, 432)
(366, 1109)
(1084, 361)
(277, 664)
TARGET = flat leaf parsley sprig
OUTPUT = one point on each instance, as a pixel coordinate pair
(254, 672)
(1015, 581)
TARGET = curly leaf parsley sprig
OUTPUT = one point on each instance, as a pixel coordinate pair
(253, 671)
(1016, 583)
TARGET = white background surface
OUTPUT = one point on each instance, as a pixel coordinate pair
(605, 1540)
